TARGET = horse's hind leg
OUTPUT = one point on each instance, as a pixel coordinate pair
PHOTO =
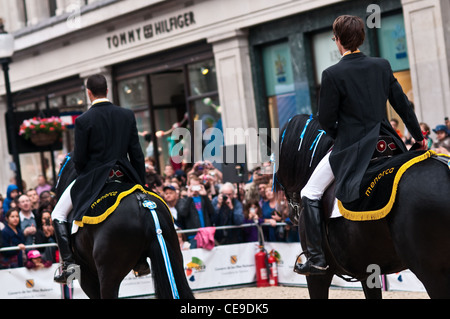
(319, 285)
(111, 275)
(90, 284)
(437, 283)
(371, 293)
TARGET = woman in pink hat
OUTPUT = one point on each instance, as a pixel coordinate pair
(35, 260)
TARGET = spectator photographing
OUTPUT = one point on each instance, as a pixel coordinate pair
(228, 211)
(195, 211)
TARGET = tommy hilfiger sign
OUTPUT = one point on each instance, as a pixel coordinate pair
(151, 30)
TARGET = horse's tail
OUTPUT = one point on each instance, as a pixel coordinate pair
(165, 256)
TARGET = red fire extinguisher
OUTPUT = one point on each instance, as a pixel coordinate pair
(262, 276)
(273, 267)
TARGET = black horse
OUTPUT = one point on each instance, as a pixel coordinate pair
(415, 235)
(109, 251)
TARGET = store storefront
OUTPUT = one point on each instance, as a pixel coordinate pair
(169, 90)
(229, 64)
(290, 54)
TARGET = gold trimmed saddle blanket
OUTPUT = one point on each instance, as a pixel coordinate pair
(378, 188)
(108, 201)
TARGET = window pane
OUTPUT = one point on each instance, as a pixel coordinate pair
(143, 124)
(280, 87)
(326, 53)
(54, 103)
(392, 41)
(77, 99)
(133, 93)
(278, 69)
(208, 111)
(203, 78)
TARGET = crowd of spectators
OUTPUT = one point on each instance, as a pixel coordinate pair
(197, 196)
(25, 219)
(200, 199)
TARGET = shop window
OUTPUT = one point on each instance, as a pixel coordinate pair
(279, 82)
(204, 100)
(393, 47)
(161, 101)
(133, 93)
(326, 53)
(76, 100)
(203, 78)
(392, 42)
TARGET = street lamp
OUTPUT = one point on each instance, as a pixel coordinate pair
(6, 52)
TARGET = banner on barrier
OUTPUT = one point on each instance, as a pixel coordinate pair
(23, 283)
(405, 281)
(223, 266)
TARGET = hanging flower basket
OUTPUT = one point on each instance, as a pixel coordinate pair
(42, 131)
(44, 139)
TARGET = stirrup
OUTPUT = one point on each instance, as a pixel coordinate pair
(309, 267)
(65, 272)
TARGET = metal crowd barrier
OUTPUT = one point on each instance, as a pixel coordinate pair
(28, 247)
(230, 227)
(179, 231)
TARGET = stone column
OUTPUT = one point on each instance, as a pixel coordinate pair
(234, 77)
(61, 6)
(13, 14)
(427, 25)
(37, 11)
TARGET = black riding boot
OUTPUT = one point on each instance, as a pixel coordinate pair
(316, 263)
(62, 235)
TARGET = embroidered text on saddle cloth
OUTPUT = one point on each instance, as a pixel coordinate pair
(108, 201)
(379, 186)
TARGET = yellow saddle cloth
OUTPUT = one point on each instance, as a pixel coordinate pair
(108, 201)
(379, 186)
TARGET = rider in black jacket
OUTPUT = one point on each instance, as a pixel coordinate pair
(106, 137)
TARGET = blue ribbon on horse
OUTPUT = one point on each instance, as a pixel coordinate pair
(274, 176)
(304, 131)
(284, 134)
(162, 243)
(315, 144)
(67, 160)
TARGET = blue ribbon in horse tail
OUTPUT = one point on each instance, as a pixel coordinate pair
(162, 243)
(315, 144)
(284, 134)
(68, 158)
(304, 131)
(274, 177)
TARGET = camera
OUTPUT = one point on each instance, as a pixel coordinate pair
(196, 188)
(47, 222)
(201, 166)
(224, 198)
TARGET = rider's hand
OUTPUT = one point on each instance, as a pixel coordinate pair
(423, 145)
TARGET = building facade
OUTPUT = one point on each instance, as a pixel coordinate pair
(227, 63)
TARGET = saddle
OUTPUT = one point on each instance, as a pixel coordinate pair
(378, 188)
(109, 199)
